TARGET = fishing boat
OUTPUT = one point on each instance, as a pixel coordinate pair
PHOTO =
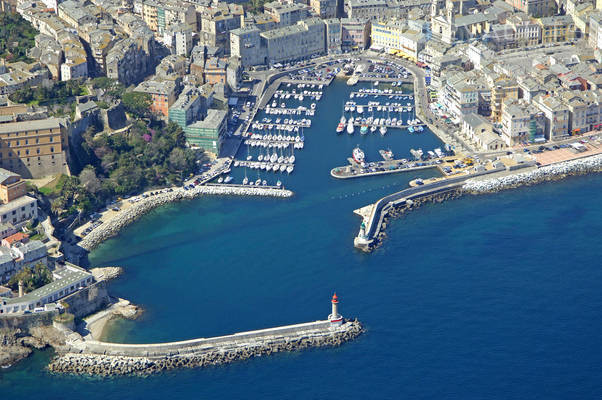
(387, 155)
(358, 156)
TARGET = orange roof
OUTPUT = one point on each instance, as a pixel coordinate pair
(16, 237)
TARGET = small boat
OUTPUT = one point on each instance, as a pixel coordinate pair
(228, 179)
(383, 130)
(220, 180)
(350, 127)
(278, 183)
(364, 129)
(373, 128)
(258, 182)
(358, 156)
(289, 169)
(340, 127)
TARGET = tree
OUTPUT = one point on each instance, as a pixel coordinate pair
(136, 103)
(177, 159)
(89, 180)
(32, 279)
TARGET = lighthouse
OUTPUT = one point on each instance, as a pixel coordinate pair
(335, 318)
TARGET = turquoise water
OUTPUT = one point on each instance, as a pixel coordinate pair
(483, 297)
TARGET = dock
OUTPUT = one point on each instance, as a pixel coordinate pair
(354, 170)
(325, 82)
(393, 94)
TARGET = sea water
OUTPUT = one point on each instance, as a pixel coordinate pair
(483, 297)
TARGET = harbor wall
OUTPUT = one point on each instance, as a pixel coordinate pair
(131, 214)
(551, 172)
(99, 358)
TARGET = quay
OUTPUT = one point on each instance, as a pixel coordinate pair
(373, 215)
(395, 93)
(383, 79)
(392, 126)
(95, 357)
(354, 170)
(316, 82)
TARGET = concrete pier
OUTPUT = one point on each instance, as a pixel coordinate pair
(102, 358)
(372, 221)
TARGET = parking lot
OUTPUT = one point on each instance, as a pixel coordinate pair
(566, 152)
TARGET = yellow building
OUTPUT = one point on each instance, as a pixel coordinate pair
(397, 38)
(560, 28)
(34, 149)
(501, 89)
(149, 14)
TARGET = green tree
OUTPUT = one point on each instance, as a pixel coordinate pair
(33, 278)
(137, 104)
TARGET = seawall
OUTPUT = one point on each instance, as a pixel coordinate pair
(551, 172)
(105, 359)
(126, 217)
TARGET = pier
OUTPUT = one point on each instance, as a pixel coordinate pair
(102, 358)
(354, 170)
(373, 215)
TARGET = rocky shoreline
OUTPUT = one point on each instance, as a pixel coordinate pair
(105, 365)
(16, 345)
(548, 173)
(142, 207)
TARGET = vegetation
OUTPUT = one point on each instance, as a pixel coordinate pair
(16, 37)
(32, 279)
(121, 164)
(58, 93)
(255, 6)
(111, 87)
(137, 104)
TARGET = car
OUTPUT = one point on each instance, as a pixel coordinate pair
(115, 209)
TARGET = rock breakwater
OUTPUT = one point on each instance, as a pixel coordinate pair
(548, 173)
(227, 352)
(129, 215)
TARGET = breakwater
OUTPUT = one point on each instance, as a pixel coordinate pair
(106, 359)
(548, 173)
(132, 213)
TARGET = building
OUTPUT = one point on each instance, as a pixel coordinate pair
(11, 186)
(534, 8)
(324, 8)
(74, 13)
(217, 23)
(215, 70)
(208, 133)
(302, 40)
(526, 31)
(559, 28)
(502, 88)
(67, 280)
(557, 116)
(163, 94)
(19, 211)
(355, 33)
(395, 37)
(480, 131)
(333, 35)
(286, 14)
(34, 149)
(20, 255)
(522, 123)
(245, 44)
(366, 9)
(460, 94)
(189, 107)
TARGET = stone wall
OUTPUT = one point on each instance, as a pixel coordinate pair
(26, 321)
(88, 300)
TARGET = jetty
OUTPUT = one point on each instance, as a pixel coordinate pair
(373, 215)
(95, 357)
(355, 170)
